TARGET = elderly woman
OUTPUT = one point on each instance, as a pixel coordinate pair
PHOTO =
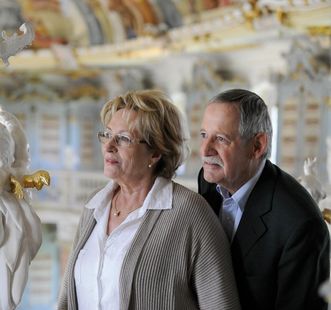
(144, 241)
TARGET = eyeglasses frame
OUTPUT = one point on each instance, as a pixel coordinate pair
(102, 134)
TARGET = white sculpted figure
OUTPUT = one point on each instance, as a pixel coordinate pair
(11, 45)
(310, 182)
(20, 227)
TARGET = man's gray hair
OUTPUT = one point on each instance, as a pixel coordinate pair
(254, 115)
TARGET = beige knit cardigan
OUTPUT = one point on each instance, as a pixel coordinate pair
(179, 259)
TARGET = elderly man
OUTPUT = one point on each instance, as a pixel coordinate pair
(279, 241)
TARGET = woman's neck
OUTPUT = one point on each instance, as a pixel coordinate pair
(134, 193)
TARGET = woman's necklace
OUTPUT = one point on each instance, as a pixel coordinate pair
(116, 212)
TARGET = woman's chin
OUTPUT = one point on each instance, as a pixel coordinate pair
(109, 173)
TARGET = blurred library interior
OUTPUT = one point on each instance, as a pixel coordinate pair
(88, 51)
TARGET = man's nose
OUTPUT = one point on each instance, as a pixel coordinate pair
(207, 148)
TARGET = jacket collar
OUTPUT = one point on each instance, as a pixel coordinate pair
(252, 227)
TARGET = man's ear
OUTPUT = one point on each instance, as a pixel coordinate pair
(260, 144)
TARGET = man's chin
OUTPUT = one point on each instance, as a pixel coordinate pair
(211, 178)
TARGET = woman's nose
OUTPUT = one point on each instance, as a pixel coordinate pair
(110, 145)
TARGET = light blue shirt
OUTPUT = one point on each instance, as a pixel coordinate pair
(233, 206)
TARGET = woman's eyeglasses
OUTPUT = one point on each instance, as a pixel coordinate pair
(119, 139)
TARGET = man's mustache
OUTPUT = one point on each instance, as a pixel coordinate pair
(213, 160)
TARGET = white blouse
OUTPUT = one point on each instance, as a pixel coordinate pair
(98, 266)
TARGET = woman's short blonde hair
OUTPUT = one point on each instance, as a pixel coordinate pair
(158, 122)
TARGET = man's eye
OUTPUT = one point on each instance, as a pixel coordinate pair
(221, 139)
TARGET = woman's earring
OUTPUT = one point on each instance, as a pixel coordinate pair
(150, 166)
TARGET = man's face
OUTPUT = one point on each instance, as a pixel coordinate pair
(227, 159)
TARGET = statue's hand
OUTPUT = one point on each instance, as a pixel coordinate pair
(16, 187)
(36, 180)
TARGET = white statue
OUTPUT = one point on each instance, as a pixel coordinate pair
(11, 45)
(310, 182)
(20, 227)
(325, 292)
(328, 158)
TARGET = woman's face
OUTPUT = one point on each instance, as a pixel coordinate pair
(126, 163)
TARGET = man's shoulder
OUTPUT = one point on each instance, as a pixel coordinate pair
(288, 195)
(278, 178)
(288, 185)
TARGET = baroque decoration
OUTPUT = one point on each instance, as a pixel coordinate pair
(132, 29)
(303, 93)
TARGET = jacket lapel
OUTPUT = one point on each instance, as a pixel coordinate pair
(252, 227)
(133, 254)
(85, 233)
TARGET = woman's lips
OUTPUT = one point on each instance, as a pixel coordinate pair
(111, 161)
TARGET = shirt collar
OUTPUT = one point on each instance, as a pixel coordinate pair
(158, 198)
(242, 194)
(160, 195)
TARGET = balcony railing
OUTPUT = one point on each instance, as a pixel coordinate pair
(69, 190)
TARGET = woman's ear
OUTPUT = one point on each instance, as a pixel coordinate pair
(155, 158)
(260, 144)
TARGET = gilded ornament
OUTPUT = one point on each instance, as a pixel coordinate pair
(327, 215)
(35, 180)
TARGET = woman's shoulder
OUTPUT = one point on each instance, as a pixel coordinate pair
(191, 209)
(185, 198)
(181, 191)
